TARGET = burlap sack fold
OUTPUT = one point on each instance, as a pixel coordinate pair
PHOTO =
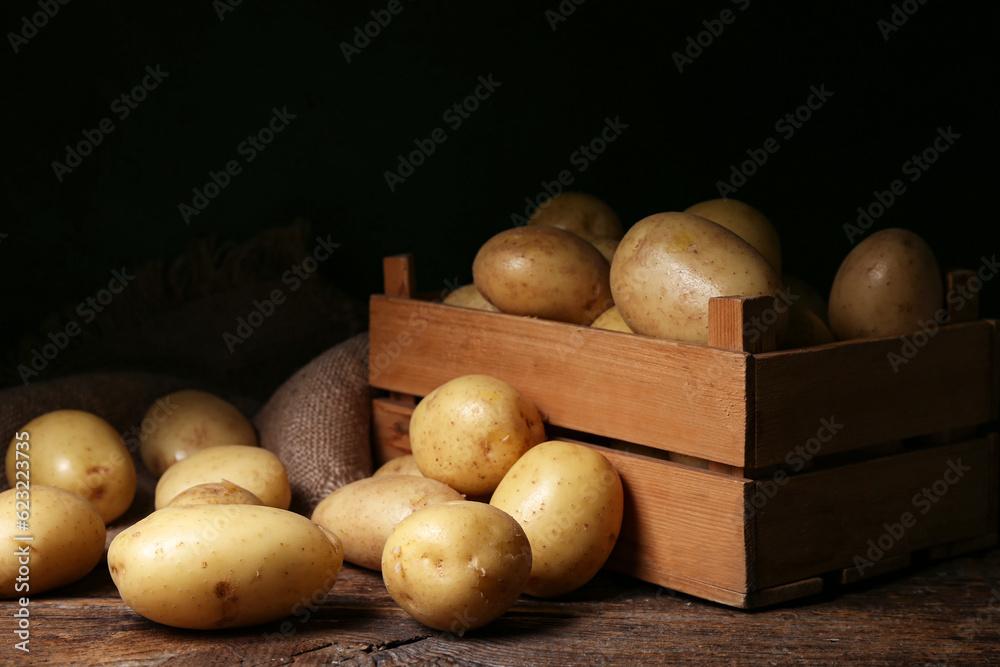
(319, 422)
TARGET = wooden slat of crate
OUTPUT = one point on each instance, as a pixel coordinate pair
(818, 522)
(686, 398)
(947, 384)
(686, 523)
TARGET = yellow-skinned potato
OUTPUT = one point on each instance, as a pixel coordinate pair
(68, 540)
(81, 452)
(568, 498)
(401, 465)
(456, 566)
(223, 566)
(467, 296)
(585, 215)
(543, 272)
(670, 264)
(888, 285)
(363, 513)
(746, 222)
(468, 432)
(607, 247)
(215, 493)
(611, 319)
(189, 421)
(257, 470)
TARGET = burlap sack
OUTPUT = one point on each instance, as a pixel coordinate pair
(318, 423)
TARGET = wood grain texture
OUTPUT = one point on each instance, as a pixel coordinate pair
(944, 613)
(856, 514)
(736, 323)
(400, 275)
(690, 399)
(944, 384)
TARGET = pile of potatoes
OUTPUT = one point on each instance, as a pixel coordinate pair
(574, 263)
(483, 510)
(221, 548)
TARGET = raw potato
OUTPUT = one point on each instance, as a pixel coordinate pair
(189, 421)
(805, 329)
(467, 296)
(607, 247)
(611, 319)
(803, 296)
(401, 465)
(746, 222)
(469, 431)
(257, 470)
(543, 272)
(888, 285)
(569, 500)
(215, 493)
(223, 566)
(456, 566)
(363, 513)
(585, 215)
(81, 452)
(670, 264)
(68, 540)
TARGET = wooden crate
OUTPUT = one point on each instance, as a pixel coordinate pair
(836, 462)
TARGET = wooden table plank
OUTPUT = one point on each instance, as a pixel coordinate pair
(943, 612)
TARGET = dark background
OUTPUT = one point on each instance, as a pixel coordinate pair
(606, 60)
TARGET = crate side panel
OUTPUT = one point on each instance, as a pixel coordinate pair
(872, 390)
(686, 522)
(685, 398)
(859, 514)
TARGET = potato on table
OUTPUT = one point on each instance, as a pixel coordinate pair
(257, 470)
(364, 513)
(456, 566)
(68, 540)
(81, 452)
(189, 421)
(223, 566)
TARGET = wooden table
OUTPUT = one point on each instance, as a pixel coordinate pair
(934, 613)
